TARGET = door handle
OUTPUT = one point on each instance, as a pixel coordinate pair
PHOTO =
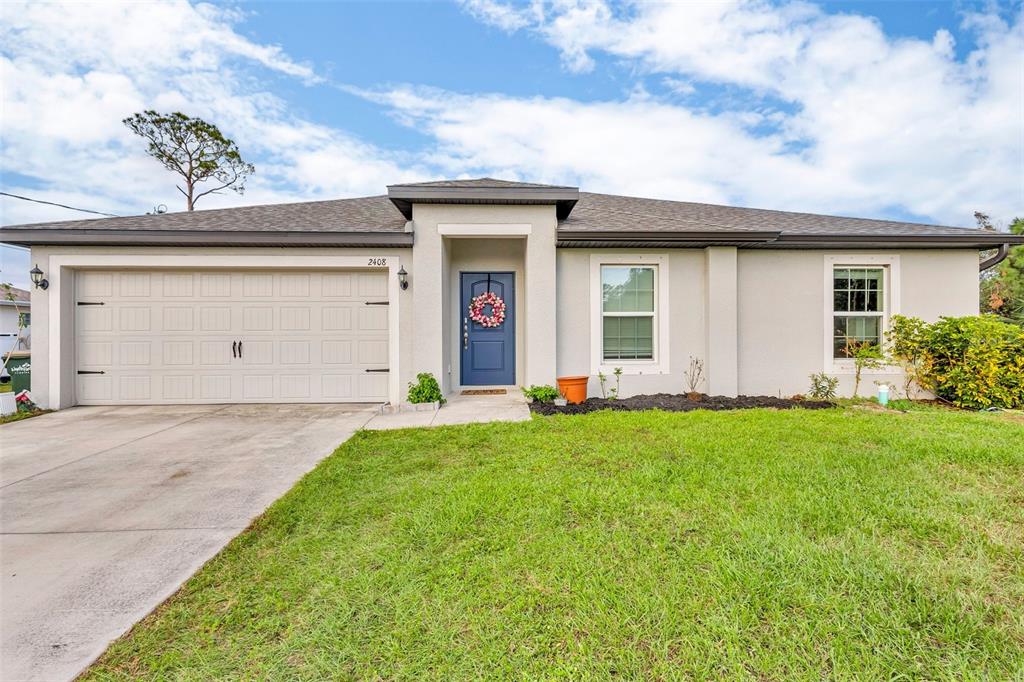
(239, 349)
(234, 349)
(465, 333)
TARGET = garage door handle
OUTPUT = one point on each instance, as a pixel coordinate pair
(93, 371)
(378, 370)
(377, 302)
(234, 349)
(90, 303)
(239, 349)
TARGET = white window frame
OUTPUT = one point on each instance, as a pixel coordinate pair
(890, 265)
(659, 364)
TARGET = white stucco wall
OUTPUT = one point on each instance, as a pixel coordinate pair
(686, 318)
(780, 316)
(783, 311)
(46, 348)
(439, 259)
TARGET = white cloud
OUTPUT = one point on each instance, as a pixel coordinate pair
(881, 123)
(71, 72)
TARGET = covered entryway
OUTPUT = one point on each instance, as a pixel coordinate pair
(488, 355)
(219, 336)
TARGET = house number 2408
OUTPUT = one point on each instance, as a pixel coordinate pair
(378, 262)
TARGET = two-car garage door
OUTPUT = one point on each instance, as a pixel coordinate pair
(230, 337)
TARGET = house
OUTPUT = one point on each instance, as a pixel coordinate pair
(15, 320)
(348, 300)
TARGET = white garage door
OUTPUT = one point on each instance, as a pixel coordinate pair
(230, 337)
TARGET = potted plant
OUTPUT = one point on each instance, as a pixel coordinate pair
(573, 388)
(425, 394)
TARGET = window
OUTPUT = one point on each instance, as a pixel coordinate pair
(858, 307)
(24, 319)
(627, 312)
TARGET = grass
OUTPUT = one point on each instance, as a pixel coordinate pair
(840, 544)
(20, 416)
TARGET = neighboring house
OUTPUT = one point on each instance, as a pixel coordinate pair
(10, 314)
(304, 302)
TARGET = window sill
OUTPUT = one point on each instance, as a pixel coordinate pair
(631, 368)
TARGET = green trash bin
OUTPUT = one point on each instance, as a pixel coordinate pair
(20, 369)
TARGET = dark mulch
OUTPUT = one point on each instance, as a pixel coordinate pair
(670, 402)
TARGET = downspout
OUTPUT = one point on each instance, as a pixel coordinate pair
(1001, 253)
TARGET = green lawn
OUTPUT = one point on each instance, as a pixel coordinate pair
(760, 545)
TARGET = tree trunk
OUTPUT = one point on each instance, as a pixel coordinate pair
(188, 197)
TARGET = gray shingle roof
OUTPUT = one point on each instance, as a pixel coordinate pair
(596, 217)
(611, 213)
(365, 214)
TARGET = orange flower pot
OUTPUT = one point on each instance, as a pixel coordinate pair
(573, 388)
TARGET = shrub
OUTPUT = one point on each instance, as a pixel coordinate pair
(866, 355)
(823, 387)
(425, 390)
(972, 362)
(542, 394)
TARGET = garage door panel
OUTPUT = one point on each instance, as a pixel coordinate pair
(373, 284)
(98, 284)
(294, 352)
(215, 387)
(134, 319)
(178, 285)
(307, 336)
(177, 387)
(135, 284)
(373, 318)
(215, 353)
(93, 387)
(135, 388)
(93, 354)
(136, 353)
(178, 318)
(95, 318)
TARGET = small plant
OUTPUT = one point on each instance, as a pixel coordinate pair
(823, 387)
(694, 375)
(541, 394)
(866, 355)
(610, 393)
(425, 390)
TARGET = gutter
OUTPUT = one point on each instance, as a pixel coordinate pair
(1000, 255)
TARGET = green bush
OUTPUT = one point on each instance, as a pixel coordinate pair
(823, 387)
(425, 390)
(542, 394)
(972, 362)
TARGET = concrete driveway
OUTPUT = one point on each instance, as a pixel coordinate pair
(105, 511)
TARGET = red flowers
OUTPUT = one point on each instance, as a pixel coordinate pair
(479, 303)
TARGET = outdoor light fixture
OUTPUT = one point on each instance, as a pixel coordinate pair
(37, 278)
(403, 278)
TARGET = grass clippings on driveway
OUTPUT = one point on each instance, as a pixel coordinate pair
(754, 545)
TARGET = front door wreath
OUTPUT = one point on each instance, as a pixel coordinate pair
(478, 306)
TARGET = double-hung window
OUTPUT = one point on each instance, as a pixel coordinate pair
(858, 307)
(628, 306)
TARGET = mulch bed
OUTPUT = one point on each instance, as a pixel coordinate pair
(670, 402)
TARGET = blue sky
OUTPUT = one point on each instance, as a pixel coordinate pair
(905, 110)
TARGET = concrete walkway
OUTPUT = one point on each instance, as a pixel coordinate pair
(460, 409)
(106, 511)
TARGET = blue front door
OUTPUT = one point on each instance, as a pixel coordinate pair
(488, 353)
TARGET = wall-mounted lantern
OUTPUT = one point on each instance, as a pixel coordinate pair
(37, 278)
(403, 278)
